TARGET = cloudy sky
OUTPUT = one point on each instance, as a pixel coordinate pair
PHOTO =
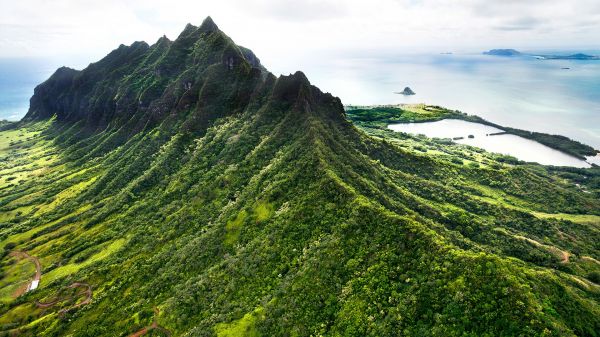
(285, 33)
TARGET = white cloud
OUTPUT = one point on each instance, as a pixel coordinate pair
(287, 33)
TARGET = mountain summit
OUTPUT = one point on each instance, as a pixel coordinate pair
(208, 25)
(201, 76)
(180, 189)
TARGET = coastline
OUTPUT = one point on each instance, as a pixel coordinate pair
(423, 113)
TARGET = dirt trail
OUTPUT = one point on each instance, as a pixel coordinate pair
(153, 326)
(565, 256)
(139, 333)
(87, 292)
(589, 258)
(46, 304)
(33, 284)
(88, 298)
(562, 254)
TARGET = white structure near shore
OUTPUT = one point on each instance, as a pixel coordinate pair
(33, 285)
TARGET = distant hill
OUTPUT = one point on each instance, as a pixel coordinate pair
(513, 52)
(503, 52)
(578, 56)
(407, 92)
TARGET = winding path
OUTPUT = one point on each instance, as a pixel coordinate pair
(563, 255)
(33, 284)
(88, 298)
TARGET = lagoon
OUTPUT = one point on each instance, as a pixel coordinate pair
(518, 147)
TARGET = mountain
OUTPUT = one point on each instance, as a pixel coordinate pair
(512, 52)
(578, 56)
(502, 52)
(407, 92)
(181, 189)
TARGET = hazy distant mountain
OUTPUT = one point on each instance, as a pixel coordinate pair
(578, 56)
(513, 52)
(503, 52)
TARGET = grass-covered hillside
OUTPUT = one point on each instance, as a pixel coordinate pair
(219, 200)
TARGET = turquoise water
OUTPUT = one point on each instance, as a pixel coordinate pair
(522, 92)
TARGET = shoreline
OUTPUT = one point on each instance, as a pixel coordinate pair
(423, 113)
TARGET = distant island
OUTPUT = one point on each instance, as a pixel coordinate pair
(503, 52)
(407, 92)
(513, 52)
(578, 56)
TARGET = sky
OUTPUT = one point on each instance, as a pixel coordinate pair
(289, 34)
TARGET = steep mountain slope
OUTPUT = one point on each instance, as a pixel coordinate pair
(197, 194)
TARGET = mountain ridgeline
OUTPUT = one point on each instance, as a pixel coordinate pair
(181, 189)
(201, 76)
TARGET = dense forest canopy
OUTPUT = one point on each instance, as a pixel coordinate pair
(181, 189)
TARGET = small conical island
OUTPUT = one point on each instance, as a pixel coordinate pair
(407, 91)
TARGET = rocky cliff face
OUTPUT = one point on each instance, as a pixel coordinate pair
(200, 76)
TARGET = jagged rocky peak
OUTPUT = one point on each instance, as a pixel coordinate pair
(191, 33)
(288, 87)
(187, 31)
(297, 90)
(140, 45)
(300, 77)
(250, 57)
(208, 25)
(202, 71)
(163, 39)
(64, 70)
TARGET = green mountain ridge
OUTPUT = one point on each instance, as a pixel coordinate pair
(199, 195)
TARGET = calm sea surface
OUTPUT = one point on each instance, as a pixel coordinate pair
(522, 92)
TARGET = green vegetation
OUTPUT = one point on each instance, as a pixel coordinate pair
(16, 276)
(72, 268)
(382, 116)
(405, 114)
(234, 227)
(245, 326)
(241, 204)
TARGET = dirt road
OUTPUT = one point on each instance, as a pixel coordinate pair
(33, 284)
(88, 298)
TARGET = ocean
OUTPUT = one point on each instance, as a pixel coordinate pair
(521, 92)
(18, 78)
